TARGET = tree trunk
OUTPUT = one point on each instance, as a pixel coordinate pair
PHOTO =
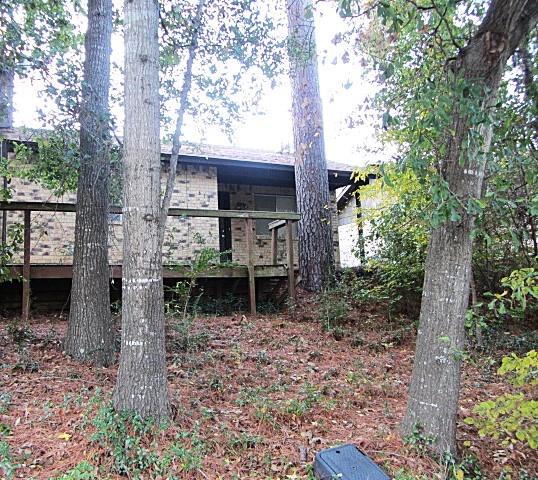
(6, 96)
(435, 383)
(141, 384)
(90, 335)
(316, 256)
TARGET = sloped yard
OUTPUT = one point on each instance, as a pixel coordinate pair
(252, 398)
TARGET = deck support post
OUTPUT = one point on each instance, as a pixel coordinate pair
(3, 154)
(291, 267)
(249, 224)
(274, 245)
(26, 268)
(4, 216)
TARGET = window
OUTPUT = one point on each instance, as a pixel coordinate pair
(272, 203)
(115, 218)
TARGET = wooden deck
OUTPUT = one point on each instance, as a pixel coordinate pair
(27, 270)
(42, 271)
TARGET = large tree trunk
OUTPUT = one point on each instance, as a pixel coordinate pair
(141, 383)
(89, 335)
(316, 256)
(435, 384)
(6, 95)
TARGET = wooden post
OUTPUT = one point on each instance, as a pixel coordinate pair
(291, 267)
(250, 265)
(3, 154)
(4, 217)
(274, 245)
(26, 268)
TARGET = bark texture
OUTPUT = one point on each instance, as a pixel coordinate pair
(89, 335)
(141, 384)
(435, 383)
(316, 257)
(6, 96)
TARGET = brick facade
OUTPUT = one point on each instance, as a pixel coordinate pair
(52, 234)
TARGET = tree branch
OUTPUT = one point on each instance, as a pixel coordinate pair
(183, 104)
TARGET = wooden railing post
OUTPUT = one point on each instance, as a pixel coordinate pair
(274, 245)
(26, 268)
(4, 216)
(291, 267)
(3, 154)
(250, 265)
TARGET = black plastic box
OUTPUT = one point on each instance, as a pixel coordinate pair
(346, 462)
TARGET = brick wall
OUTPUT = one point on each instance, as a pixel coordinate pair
(52, 235)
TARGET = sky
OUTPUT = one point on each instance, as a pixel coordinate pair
(269, 127)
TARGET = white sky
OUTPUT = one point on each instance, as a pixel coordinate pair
(270, 126)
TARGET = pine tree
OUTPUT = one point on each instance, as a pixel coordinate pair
(316, 256)
(89, 334)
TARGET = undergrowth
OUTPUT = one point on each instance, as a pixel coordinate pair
(128, 445)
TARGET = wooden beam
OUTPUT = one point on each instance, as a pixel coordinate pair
(276, 224)
(4, 216)
(274, 246)
(291, 267)
(173, 212)
(26, 268)
(238, 272)
(249, 226)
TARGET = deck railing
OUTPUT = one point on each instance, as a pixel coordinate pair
(280, 220)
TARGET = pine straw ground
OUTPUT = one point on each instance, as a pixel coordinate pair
(265, 394)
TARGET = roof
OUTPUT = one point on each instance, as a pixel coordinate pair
(234, 164)
(224, 152)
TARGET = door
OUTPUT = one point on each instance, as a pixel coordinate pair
(225, 229)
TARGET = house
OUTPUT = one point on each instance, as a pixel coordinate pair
(210, 180)
(352, 232)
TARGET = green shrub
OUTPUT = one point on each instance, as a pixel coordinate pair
(519, 295)
(129, 444)
(127, 437)
(334, 307)
(9, 250)
(511, 417)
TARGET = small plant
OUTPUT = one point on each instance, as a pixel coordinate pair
(187, 340)
(7, 464)
(262, 358)
(130, 443)
(26, 363)
(206, 258)
(511, 417)
(20, 334)
(9, 249)
(5, 402)
(243, 441)
(418, 442)
(267, 307)
(115, 307)
(189, 458)
(299, 407)
(128, 438)
(466, 468)
(405, 475)
(333, 309)
(520, 288)
(265, 411)
(83, 471)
